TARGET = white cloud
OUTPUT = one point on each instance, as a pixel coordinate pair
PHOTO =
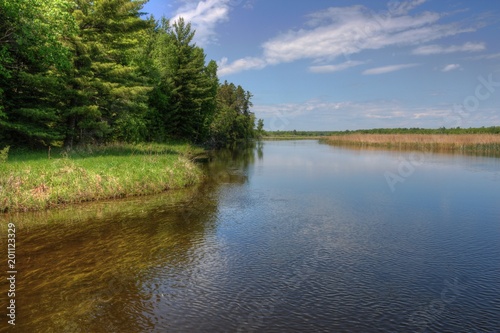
(450, 67)
(239, 65)
(438, 49)
(344, 31)
(387, 69)
(396, 7)
(204, 17)
(486, 56)
(335, 68)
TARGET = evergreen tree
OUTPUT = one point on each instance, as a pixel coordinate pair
(191, 85)
(33, 61)
(108, 91)
(233, 120)
(158, 59)
(260, 128)
(79, 71)
(210, 104)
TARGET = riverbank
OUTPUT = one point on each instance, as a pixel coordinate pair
(40, 180)
(473, 143)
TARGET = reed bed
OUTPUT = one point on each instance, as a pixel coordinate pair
(480, 143)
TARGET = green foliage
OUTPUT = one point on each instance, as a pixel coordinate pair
(260, 128)
(233, 120)
(86, 71)
(108, 90)
(222, 127)
(4, 154)
(31, 31)
(33, 108)
(33, 59)
(184, 95)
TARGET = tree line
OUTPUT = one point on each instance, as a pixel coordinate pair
(413, 130)
(416, 130)
(94, 71)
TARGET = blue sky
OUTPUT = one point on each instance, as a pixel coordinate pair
(339, 64)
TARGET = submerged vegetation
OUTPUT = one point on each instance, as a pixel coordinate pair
(33, 181)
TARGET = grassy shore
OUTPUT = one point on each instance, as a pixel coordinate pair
(475, 143)
(33, 181)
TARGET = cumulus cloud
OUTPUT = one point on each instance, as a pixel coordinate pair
(438, 49)
(239, 65)
(387, 69)
(204, 17)
(344, 31)
(450, 67)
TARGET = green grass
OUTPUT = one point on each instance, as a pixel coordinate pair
(32, 181)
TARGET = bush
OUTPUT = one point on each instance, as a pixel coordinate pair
(4, 154)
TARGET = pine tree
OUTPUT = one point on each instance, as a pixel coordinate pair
(158, 58)
(191, 85)
(233, 120)
(80, 71)
(33, 61)
(108, 90)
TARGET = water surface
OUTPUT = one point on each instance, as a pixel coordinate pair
(286, 236)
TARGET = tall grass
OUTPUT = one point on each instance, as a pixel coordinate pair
(32, 181)
(479, 143)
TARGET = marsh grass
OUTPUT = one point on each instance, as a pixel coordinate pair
(473, 143)
(32, 181)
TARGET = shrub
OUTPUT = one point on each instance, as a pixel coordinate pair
(4, 154)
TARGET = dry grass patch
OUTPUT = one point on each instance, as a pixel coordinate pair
(453, 142)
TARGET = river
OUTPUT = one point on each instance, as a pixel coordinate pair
(284, 236)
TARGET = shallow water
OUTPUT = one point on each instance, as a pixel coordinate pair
(286, 236)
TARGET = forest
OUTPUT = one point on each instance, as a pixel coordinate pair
(80, 72)
(414, 130)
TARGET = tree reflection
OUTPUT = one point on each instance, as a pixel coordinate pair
(230, 165)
